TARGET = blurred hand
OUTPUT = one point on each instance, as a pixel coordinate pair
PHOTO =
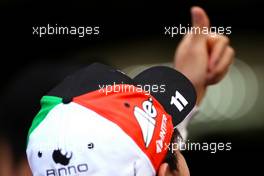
(203, 58)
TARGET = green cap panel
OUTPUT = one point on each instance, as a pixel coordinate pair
(47, 103)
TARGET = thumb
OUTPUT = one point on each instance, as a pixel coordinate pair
(199, 20)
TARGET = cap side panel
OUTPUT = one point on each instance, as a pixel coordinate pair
(112, 106)
(47, 103)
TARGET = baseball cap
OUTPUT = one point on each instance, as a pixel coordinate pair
(90, 124)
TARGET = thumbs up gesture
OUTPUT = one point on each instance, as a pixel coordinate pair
(203, 58)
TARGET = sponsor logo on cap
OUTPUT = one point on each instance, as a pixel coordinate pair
(146, 118)
(162, 134)
(64, 159)
(58, 157)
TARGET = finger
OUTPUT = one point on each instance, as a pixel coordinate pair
(222, 67)
(214, 79)
(200, 20)
(217, 45)
(163, 169)
(225, 61)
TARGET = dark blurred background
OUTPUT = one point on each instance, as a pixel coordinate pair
(131, 37)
